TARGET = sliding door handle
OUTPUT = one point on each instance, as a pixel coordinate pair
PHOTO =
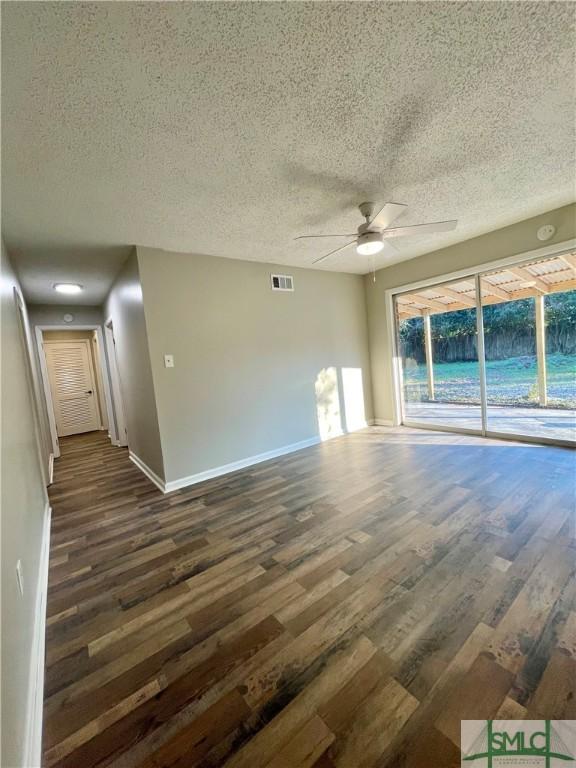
(89, 392)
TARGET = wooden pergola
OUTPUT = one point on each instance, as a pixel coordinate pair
(536, 280)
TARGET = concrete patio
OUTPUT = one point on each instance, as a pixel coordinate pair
(555, 423)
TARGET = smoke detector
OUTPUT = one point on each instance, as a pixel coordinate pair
(546, 232)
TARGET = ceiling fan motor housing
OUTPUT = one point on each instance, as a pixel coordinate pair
(367, 210)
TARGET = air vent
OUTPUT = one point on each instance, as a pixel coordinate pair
(282, 282)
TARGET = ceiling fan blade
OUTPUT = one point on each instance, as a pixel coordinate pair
(389, 250)
(353, 242)
(306, 237)
(388, 214)
(421, 229)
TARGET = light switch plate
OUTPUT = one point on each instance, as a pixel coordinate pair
(168, 361)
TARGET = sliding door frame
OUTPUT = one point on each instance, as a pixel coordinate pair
(474, 274)
(480, 352)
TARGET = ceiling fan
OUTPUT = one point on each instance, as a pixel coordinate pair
(372, 236)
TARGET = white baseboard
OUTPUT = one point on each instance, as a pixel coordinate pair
(383, 422)
(150, 474)
(33, 743)
(174, 485)
(224, 469)
(51, 469)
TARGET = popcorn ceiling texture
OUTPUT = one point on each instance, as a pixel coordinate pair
(229, 128)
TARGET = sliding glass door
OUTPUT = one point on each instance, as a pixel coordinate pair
(437, 332)
(530, 349)
(510, 370)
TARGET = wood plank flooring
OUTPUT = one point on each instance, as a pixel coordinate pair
(341, 607)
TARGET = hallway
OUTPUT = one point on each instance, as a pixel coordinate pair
(348, 594)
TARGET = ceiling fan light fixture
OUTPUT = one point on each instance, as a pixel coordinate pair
(370, 244)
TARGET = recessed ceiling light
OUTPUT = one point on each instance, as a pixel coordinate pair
(68, 287)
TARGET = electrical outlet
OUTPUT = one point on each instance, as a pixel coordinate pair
(19, 577)
(168, 361)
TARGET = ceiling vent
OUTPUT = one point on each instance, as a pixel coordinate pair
(282, 282)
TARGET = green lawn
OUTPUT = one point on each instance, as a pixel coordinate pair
(508, 382)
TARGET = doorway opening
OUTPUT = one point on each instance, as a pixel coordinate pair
(76, 384)
(76, 396)
(121, 432)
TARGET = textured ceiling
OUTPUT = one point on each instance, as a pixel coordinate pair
(230, 128)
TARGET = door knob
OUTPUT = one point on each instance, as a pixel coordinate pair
(89, 392)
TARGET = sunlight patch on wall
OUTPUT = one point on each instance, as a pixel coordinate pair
(328, 403)
(132, 292)
(353, 390)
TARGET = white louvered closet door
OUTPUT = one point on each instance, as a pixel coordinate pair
(72, 386)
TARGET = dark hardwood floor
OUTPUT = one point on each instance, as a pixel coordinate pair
(345, 605)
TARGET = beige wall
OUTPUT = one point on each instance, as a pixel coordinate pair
(248, 360)
(124, 306)
(53, 314)
(67, 335)
(23, 505)
(41, 413)
(516, 239)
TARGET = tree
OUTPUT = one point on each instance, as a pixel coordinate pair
(509, 330)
